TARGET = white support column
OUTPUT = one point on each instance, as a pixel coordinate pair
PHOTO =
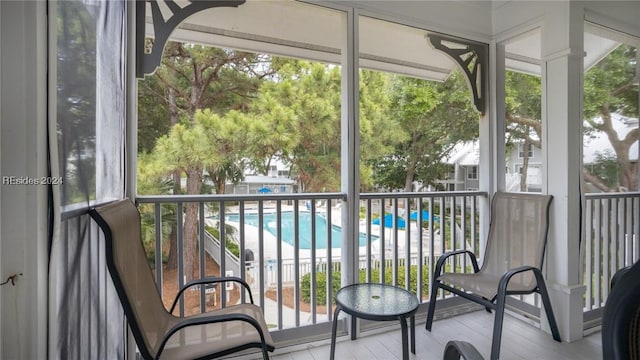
(23, 235)
(562, 138)
(1, 306)
(132, 106)
(491, 138)
(131, 131)
(497, 125)
(350, 150)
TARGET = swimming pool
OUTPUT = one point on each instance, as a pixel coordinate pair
(304, 230)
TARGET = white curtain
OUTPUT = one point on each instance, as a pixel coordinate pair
(87, 137)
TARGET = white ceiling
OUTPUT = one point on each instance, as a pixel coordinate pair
(302, 30)
(524, 54)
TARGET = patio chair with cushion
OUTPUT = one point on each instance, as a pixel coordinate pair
(159, 333)
(511, 265)
(620, 322)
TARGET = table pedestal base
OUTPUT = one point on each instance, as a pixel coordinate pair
(403, 327)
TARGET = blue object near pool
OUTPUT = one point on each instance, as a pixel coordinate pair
(425, 216)
(388, 222)
(304, 228)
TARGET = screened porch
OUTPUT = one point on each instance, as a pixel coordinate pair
(71, 85)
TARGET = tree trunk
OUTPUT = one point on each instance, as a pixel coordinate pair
(627, 170)
(220, 187)
(594, 180)
(408, 181)
(194, 181)
(411, 165)
(525, 166)
(633, 177)
(172, 259)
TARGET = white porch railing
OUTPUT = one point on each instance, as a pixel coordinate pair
(293, 281)
(611, 241)
(292, 277)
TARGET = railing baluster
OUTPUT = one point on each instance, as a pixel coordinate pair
(383, 243)
(201, 255)
(598, 253)
(607, 248)
(313, 263)
(158, 246)
(407, 246)
(263, 263)
(223, 253)
(180, 240)
(395, 241)
(432, 244)
(463, 229)
(613, 239)
(419, 272)
(243, 250)
(636, 233)
(296, 260)
(588, 245)
(329, 285)
(622, 220)
(474, 213)
(369, 257)
(628, 231)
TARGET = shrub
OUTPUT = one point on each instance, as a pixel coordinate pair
(388, 277)
(321, 282)
(233, 247)
(321, 287)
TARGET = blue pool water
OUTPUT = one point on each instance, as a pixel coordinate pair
(304, 230)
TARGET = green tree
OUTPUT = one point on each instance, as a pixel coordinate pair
(153, 115)
(274, 131)
(227, 136)
(433, 118)
(523, 113)
(298, 120)
(206, 142)
(379, 130)
(185, 149)
(300, 123)
(153, 180)
(316, 158)
(604, 170)
(609, 88)
(193, 78)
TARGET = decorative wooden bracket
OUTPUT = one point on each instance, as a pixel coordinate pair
(146, 63)
(473, 60)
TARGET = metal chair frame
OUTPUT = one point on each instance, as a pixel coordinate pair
(495, 298)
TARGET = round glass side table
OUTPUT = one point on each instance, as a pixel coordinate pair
(377, 302)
